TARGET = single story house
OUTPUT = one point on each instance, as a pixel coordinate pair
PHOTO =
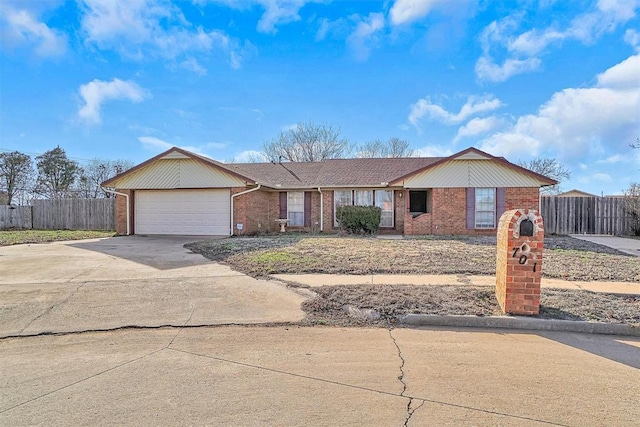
(179, 192)
(575, 193)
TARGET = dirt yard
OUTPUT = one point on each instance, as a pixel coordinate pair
(564, 258)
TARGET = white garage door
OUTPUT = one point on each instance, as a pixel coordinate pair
(189, 212)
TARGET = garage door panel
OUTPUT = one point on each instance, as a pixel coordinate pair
(190, 212)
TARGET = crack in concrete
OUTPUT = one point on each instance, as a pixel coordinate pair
(55, 305)
(410, 412)
(401, 377)
(193, 309)
(149, 327)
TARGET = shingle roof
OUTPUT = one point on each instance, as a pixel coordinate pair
(331, 173)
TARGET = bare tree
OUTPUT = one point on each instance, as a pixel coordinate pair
(56, 174)
(394, 147)
(632, 206)
(550, 168)
(16, 172)
(636, 144)
(307, 142)
(95, 173)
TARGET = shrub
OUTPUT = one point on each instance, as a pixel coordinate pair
(359, 219)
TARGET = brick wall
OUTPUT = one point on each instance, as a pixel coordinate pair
(448, 213)
(519, 263)
(401, 206)
(121, 212)
(256, 211)
(522, 198)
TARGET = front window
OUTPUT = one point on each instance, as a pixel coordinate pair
(485, 207)
(384, 200)
(340, 198)
(363, 198)
(295, 208)
(419, 202)
(381, 198)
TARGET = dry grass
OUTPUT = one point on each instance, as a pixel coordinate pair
(563, 258)
(17, 237)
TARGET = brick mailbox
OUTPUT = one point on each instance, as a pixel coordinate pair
(519, 261)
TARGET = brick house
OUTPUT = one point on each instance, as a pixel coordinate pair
(178, 192)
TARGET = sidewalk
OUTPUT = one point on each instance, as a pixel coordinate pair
(628, 246)
(315, 280)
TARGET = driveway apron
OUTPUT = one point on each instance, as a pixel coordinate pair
(117, 282)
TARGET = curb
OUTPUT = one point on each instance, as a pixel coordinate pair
(520, 323)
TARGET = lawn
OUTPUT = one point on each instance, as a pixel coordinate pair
(563, 257)
(17, 237)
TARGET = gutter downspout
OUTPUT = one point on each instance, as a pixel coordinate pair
(126, 196)
(233, 196)
(321, 211)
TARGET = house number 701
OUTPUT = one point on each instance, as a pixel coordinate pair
(523, 258)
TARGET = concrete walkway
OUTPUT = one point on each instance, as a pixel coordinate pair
(628, 246)
(315, 280)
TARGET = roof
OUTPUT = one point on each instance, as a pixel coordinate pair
(332, 172)
(576, 193)
(357, 172)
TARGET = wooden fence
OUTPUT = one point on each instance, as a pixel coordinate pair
(15, 217)
(585, 215)
(64, 214)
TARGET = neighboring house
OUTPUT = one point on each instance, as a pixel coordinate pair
(178, 192)
(575, 193)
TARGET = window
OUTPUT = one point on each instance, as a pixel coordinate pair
(295, 208)
(381, 198)
(363, 198)
(340, 198)
(485, 211)
(419, 202)
(384, 200)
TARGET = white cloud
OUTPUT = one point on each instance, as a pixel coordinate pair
(623, 75)
(632, 37)
(602, 177)
(523, 50)
(96, 92)
(433, 151)
(617, 158)
(578, 122)
(473, 106)
(478, 126)
(156, 144)
(276, 12)
(139, 29)
(250, 156)
(193, 65)
(406, 11)
(364, 35)
(23, 28)
(488, 70)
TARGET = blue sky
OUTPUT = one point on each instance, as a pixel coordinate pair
(521, 79)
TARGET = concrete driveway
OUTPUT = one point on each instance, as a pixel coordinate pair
(293, 376)
(277, 375)
(623, 244)
(129, 281)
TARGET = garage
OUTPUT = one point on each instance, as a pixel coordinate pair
(186, 212)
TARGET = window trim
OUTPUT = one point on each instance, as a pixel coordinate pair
(479, 225)
(289, 210)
